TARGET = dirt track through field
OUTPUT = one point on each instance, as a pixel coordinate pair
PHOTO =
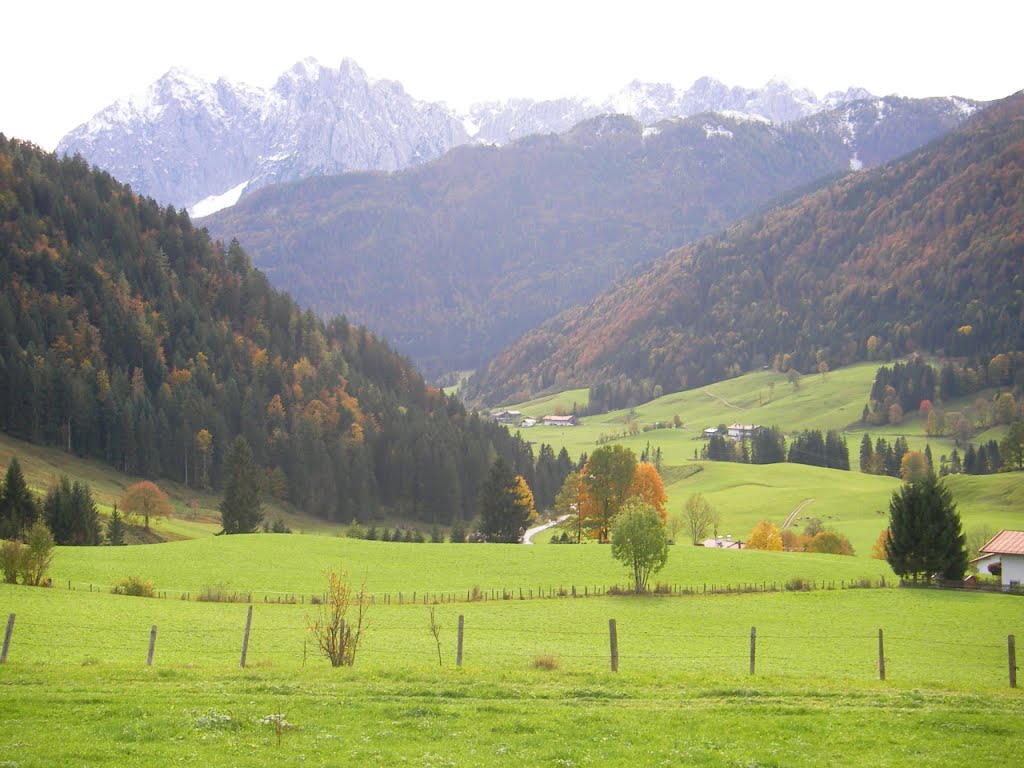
(792, 515)
(722, 400)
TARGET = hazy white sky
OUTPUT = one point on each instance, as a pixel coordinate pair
(63, 61)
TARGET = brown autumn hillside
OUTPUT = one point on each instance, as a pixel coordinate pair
(923, 253)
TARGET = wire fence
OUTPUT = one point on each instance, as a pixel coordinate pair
(477, 594)
(273, 638)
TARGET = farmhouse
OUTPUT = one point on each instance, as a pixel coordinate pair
(1004, 554)
(559, 421)
(506, 417)
(710, 432)
(740, 431)
(528, 422)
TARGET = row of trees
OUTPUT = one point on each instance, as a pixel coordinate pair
(768, 446)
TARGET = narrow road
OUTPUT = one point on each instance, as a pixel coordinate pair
(792, 515)
(531, 532)
(722, 400)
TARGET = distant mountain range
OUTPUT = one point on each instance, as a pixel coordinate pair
(201, 145)
(922, 253)
(454, 259)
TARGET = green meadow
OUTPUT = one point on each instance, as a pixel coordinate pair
(76, 689)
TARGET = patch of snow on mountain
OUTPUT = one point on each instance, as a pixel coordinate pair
(966, 108)
(216, 203)
(710, 130)
(651, 130)
(855, 163)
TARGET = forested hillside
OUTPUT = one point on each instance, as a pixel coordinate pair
(923, 253)
(128, 335)
(454, 260)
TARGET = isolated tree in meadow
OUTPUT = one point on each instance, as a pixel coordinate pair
(639, 541)
(18, 508)
(145, 500)
(925, 535)
(241, 509)
(504, 513)
(701, 517)
(765, 536)
(607, 478)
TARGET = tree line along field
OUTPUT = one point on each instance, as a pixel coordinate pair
(682, 695)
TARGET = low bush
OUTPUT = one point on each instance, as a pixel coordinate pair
(545, 662)
(134, 586)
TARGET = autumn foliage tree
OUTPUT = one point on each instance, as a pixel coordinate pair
(647, 486)
(607, 480)
(765, 536)
(145, 500)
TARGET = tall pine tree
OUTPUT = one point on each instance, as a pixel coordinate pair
(241, 508)
(925, 537)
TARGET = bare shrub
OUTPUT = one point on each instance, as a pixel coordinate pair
(337, 638)
(545, 662)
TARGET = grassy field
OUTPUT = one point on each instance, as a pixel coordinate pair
(276, 565)
(76, 690)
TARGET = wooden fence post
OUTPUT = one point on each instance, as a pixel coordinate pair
(152, 646)
(1011, 647)
(613, 639)
(7, 639)
(753, 647)
(245, 639)
(458, 654)
(881, 656)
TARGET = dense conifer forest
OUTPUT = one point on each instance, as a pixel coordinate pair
(128, 335)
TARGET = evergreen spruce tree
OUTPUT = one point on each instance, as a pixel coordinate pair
(18, 509)
(241, 508)
(502, 517)
(925, 536)
(115, 528)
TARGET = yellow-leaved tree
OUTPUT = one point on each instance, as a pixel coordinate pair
(765, 536)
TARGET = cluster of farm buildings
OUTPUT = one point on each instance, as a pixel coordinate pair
(517, 418)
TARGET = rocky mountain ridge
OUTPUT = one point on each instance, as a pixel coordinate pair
(201, 145)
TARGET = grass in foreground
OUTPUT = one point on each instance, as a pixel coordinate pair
(116, 717)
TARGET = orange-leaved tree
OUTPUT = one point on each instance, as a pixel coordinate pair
(145, 499)
(649, 488)
(765, 536)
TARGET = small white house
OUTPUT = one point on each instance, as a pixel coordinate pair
(528, 422)
(1004, 554)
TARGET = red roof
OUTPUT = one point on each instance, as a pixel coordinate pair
(1005, 543)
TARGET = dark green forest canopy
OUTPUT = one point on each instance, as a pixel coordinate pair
(125, 332)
